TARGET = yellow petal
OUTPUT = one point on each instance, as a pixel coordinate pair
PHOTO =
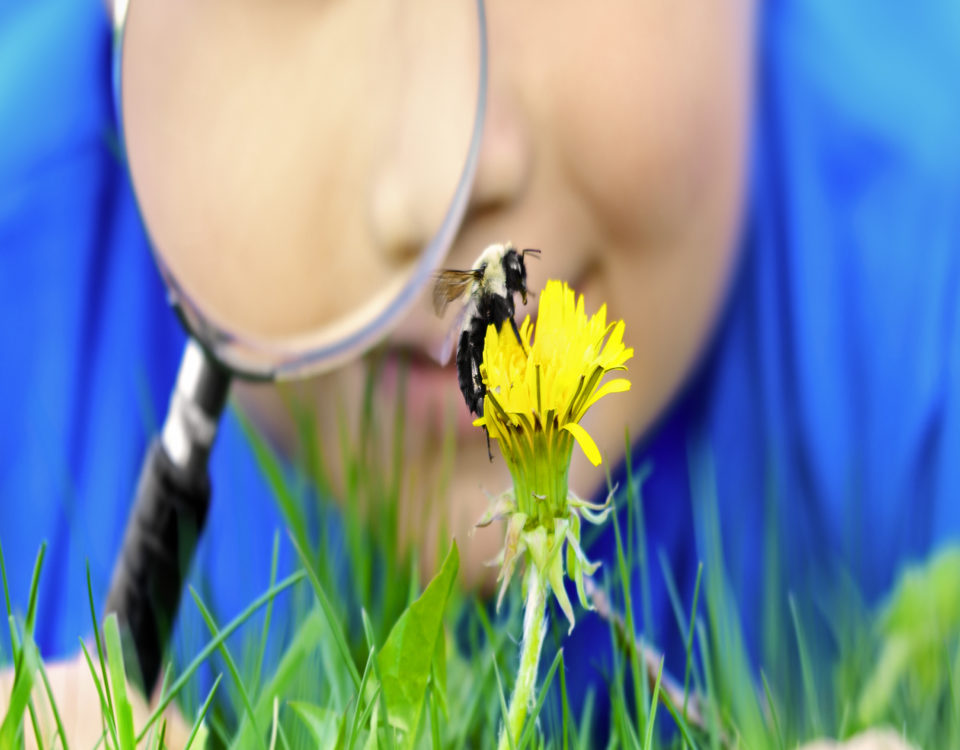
(618, 360)
(619, 385)
(586, 442)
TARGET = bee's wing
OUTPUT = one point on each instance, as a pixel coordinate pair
(449, 285)
(453, 335)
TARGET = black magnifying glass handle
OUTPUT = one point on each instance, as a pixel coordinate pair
(169, 512)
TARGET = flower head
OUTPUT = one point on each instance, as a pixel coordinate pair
(537, 391)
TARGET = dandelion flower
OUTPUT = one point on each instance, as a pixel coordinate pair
(537, 391)
(536, 394)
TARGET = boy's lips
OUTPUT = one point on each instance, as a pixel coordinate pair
(431, 385)
(431, 389)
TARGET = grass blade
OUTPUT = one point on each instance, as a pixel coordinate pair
(367, 629)
(564, 704)
(34, 588)
(231, 664)
(258, 664)
(382, 703)
(806, 670)
(111, 714)
(328, 611)
(272, 471)
(371, 705)
(288, 673)
(503, 706)
(586, 720)
(639, 679)
(33, 723)
(773, 711)
(275, 723)
(635, 494)
(710, 705)
(53, 705)
(286, 583)
(96, 679)
(355, 723)
(20, 696)
(689, 645)
(6, 597)
(654, 700)
(163, 734)
(123, 711)
(531, 721)
(203, 712)
(686, 630)
(679, 720)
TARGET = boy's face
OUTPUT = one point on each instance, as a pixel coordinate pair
(614, 143)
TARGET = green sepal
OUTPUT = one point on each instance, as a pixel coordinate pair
(555, 577)
(537, 542)
(577, 561)
(556, 540)
(595, 513)
(513, 547)
(573, 534)
(575, 501)
(595, 518)
(501, 507)
(581, 592)
(572, 565)
(573, 540)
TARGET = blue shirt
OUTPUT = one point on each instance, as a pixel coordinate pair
(826, 407)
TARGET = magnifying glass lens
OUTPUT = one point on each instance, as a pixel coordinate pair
(294, 160)
(302, 167)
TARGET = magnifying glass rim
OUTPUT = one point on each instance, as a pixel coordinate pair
(284, 362)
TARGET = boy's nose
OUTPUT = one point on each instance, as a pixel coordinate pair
(437, 93)
(431, 87)
(409, 199)
(505, 156)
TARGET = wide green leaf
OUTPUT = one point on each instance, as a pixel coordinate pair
(405, 660)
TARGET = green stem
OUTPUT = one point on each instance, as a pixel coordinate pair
(533, 632)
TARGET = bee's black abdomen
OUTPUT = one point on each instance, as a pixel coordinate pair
(492, 309)
(468, 371)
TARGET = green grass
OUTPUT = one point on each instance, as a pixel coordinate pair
(374, 659)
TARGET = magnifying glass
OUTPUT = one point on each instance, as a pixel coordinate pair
(286, 155)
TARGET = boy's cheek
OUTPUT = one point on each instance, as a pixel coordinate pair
(647, 114)
(647, 109)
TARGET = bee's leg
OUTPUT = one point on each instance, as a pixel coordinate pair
(481, 391)
(469, 357)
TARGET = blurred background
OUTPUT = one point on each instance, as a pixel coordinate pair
(768, 194)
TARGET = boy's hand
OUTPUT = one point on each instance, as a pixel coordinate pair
(79, 705)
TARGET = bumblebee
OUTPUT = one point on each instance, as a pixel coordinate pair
(489, 287)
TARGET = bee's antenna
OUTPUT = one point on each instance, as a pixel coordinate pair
(533, 250)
